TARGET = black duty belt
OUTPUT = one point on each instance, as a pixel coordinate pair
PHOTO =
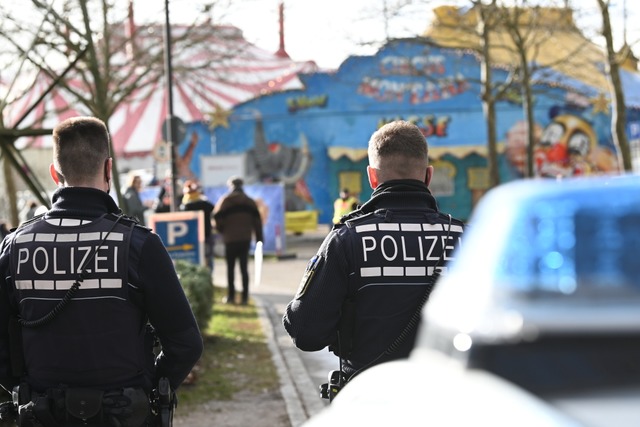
(70, 407)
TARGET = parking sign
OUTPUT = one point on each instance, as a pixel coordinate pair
(182, 234)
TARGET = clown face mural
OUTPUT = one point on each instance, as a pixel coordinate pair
(569, 147)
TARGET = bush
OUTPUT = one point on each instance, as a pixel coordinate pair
(198, 286)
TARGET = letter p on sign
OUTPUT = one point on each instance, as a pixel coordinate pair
(176, 230)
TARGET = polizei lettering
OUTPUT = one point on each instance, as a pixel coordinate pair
(54, 261)
(396, 249)
(58, 261)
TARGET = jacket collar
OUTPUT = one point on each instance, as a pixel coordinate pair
(81, 202)
(400, 193)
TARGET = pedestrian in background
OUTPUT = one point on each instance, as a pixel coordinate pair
(4, 229)
(75, 333)
(375, 269)
(343, 205)
(133, 205)
(163, 200)
(194, 200)
(237, 218)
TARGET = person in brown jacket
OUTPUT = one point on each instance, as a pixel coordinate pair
(237, 219)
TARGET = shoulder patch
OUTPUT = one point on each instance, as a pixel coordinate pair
(143, 227)
(28, 222)
(351, 222)
(129, 221)
(309, 272)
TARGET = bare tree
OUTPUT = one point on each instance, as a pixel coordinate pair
(619, 114)
(530, 30)
(395, 17)
(120, 60)
(475, 30)
(486, 24)
(534, 43)
(521, 35)
(12, 159)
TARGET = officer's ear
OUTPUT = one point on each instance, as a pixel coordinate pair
(372, 174)
(55, 175)
(108, 169)
(428, 175)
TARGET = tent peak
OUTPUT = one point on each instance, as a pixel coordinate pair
(281, 53)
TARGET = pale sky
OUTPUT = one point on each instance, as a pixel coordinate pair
(328, 31)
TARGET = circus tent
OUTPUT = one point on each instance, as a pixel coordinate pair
(210, 78)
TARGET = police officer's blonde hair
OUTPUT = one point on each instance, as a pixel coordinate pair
(80, 148)
(398, 150)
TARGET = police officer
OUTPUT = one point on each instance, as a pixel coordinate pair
(360, 293)
(79, 286)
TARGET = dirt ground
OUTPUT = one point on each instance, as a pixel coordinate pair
(246, 409)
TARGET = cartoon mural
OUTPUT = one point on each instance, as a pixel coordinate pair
(326, 126)
(569, 147)
(311, 139)
(574, 141)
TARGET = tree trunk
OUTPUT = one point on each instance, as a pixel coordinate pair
(12, 198)
(488, 100)
(527, 103)
(619, 112)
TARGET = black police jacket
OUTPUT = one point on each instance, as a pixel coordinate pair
(98, 339)
(379, 260)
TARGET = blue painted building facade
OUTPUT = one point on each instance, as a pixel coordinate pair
(313, 141)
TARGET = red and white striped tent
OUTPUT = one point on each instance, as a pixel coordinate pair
(223, 71)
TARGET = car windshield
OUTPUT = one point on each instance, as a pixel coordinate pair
(569, 246)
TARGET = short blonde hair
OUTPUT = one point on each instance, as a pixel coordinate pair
(399, 150)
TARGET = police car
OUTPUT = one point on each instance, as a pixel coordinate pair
(537, 322)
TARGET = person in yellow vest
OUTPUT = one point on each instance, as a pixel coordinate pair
(343, 205)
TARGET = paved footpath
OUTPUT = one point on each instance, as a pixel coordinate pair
(300, 373)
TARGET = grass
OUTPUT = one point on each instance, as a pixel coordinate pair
(236, 356)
